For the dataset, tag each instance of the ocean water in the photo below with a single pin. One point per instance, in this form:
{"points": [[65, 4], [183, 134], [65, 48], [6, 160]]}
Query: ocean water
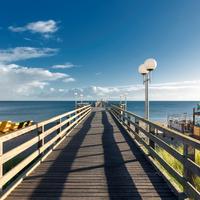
{"points": [[33, 110], [41, 110], [159, 110]]}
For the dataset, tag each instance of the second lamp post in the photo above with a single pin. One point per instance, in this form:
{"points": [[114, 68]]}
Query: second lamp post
{"points": [[145, 70]]}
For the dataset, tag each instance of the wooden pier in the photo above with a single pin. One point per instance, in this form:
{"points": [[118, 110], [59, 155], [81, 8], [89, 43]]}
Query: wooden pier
{"points": [[92, 155]]}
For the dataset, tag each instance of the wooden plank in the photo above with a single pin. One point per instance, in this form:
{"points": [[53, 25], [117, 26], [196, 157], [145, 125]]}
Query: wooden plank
{"points": [[10, 174], [15, 151], [96, 161], [61, 116], [19, 149], [161, 143], [191, 165], [136, 138], [185, 161], [5, 193], [17, 133], [62, 133], [26, 172], [191, 191], [194, 167]]}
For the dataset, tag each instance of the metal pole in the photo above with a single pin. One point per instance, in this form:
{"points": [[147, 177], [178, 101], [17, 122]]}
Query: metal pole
{"points": [[75, 99], [146, 81], [125, 103]]}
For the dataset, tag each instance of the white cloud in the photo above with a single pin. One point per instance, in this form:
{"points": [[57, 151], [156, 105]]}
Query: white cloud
{"points": [[28, 83], [61, 90], [68, 79], [98, 73], [23, 53], [30, 87], [42, 27], [52, 89], [64, 66], [18, 82]]}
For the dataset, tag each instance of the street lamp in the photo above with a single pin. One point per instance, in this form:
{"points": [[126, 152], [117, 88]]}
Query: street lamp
{"points": [[81, 98], [120, 100], [125, 101], [75, 96], [145, 70]]}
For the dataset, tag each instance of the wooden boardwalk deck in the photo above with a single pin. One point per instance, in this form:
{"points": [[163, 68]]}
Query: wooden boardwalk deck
{"points": [[97, 161]]}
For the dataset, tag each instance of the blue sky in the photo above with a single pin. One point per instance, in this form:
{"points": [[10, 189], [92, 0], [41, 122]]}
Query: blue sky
{"points": [[49, 49]]}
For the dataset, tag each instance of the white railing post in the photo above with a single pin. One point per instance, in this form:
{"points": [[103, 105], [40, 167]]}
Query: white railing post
{"points": [[60, 128], [40, 141]]}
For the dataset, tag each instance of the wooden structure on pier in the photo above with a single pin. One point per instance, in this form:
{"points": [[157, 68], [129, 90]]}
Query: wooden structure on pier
{"points": [[94, 153]]}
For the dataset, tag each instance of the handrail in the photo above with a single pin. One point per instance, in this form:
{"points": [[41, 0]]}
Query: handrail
{"points": [[40, 142], [11, 135], [152, 136], [168, 131]]}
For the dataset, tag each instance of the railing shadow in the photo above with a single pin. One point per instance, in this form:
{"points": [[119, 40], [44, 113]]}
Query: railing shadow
{"points": [[159, 185], [61, 166], [119, 181]]}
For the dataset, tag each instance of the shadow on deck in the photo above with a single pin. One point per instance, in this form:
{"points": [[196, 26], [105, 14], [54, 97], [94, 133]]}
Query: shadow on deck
{"points": [[98, 161]]}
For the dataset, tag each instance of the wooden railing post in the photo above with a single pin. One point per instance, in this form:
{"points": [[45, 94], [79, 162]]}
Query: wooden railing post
{"points": [[68, 123], [128, 122], [153, 132], [137, 122], [41, 141], [1, 163], [60, 128], [188, 153], [120, 115]]}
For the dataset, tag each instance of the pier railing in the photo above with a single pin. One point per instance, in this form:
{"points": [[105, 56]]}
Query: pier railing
{"points": [[22, 150], [154, 139]]}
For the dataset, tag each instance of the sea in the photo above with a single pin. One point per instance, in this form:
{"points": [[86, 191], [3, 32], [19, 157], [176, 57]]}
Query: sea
{"points": [[42, 110]]}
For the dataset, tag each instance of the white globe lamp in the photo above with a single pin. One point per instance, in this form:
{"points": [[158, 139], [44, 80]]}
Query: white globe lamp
{"points": [[150, 64], [142, 70]]}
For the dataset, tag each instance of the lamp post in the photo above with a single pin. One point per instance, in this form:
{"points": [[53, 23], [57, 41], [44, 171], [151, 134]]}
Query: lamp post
{"points": [[75, 96], [120, 102], [81, 98], [125, 101], [145, 70]]}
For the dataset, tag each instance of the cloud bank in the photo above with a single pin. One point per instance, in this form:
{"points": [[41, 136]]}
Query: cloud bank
{"points": [[21, 82], [41, 88], [35, 83], [18, 82], [183, 90]]}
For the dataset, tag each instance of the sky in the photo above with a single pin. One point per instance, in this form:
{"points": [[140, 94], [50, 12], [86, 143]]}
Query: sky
{"points": [[51, 49]]}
